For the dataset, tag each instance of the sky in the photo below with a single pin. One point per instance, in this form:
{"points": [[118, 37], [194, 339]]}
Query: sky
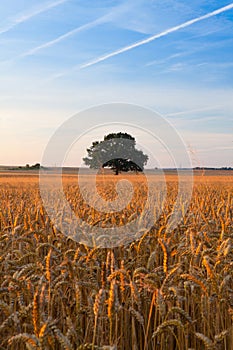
{"points": [[61, 57]]}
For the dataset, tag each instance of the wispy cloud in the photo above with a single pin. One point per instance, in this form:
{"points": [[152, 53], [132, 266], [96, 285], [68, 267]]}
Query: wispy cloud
{"points": [[166, 59], [190, 111], [144, 41], [219, 65], [62, 37], [89, 25], [115, 12], [23, 17], [219, 148], [197, 49], [157, 36]]}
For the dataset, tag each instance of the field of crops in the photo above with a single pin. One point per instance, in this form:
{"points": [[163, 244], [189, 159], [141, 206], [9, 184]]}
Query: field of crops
{"points": [[165, 290]]}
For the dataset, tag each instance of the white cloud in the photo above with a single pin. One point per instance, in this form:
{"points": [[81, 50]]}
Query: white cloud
{"points": [[159, 35], [195, 110], [23, 17], [146, 41], [63, 37], [108, 17]]}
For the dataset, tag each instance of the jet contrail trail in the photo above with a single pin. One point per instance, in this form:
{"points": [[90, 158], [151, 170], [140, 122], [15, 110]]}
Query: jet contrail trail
{"points": [[60, 38], [64, 36], [24, 17], [157, 36], [103, 19], [189, 111]]}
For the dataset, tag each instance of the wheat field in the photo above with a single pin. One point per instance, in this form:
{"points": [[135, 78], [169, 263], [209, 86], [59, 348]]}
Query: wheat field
{"points": [[164, 290]]}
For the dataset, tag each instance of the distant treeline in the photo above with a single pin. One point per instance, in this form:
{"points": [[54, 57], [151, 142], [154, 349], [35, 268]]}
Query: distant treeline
{"points": [[38, 166], [207, 168], [30, 167]]}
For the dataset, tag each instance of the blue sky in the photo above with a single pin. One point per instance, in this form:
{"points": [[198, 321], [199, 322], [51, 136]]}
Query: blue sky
{"points": [[59, 57]]}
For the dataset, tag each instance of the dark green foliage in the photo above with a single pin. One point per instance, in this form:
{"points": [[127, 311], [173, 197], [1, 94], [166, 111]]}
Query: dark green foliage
{"points": [[117, 151]]}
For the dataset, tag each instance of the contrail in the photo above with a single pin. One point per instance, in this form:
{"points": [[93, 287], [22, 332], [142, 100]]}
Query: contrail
{"points": [[26, 16], [60, 38], [64, 36], [103, 19], [190, 111], [157, 36]]}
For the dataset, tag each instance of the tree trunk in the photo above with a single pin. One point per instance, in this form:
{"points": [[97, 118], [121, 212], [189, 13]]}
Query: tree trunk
{"points": [[116, 171]]}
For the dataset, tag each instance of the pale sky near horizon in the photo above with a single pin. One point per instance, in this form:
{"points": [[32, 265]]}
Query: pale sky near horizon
{"points": [[59, 57]]}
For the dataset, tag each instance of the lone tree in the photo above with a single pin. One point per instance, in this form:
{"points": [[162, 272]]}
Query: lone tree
{"points": [[117, 151]]}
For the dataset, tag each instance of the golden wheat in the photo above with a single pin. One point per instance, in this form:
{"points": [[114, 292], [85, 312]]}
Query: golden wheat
{"points": [[163, 291]]}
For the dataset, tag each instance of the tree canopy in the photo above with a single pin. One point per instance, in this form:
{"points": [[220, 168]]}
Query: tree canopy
{"points": [[117, 151]]}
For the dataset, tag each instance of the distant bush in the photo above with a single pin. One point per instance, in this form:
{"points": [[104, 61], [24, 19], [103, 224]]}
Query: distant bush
{"points": [[35, 166]]}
